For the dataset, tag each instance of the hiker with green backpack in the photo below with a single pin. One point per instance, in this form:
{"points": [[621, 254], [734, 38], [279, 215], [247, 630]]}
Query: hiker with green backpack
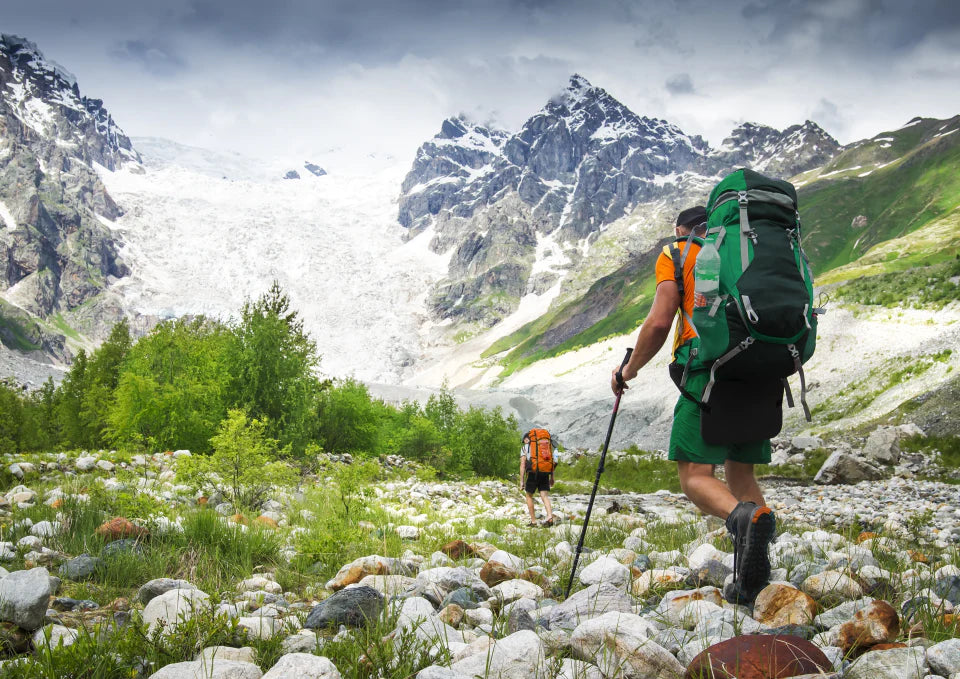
{"points": [[740, 286]]}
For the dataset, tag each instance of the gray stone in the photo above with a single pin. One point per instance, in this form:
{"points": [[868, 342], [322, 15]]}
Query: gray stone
{"points": [[54, 636], [352, 606], [622, 645], [82, 567], [588, 603], [160, 586], [303, 666], [217, 669], [464, 597], [520, 655], [948, 588], [895, 663], [214, 653], [302, 643], [840, 614], [883, 446], [944, 658], [24, 596], [843, 467], [174, 607]]}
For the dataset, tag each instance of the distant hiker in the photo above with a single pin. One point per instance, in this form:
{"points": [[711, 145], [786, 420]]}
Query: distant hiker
{"points": [[538, 459], [751, 408]]}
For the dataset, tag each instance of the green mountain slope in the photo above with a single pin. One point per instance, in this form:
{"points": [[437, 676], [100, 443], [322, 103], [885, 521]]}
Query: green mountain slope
{"points": [[885, 204]]}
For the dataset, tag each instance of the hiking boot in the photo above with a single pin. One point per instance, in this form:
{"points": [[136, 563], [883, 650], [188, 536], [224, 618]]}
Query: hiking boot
{"points": [[752, 528]]}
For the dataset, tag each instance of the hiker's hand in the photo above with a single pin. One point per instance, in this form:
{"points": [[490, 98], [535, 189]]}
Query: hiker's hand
{"points": [[614, 385]]}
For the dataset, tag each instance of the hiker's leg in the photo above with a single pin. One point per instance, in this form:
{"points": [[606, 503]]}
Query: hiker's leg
{"points": [[742, 482], [533, 514], [545, 496], [704, 490]]}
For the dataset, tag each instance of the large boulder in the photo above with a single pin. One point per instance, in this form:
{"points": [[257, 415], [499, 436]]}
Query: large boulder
{"points": [[843, 467], [200, 669], [605, 569], [174, 607], [303, 666], [520, 655], [944, 658], [621, 644], [588, 603], [883, 446], [894, 663], [759, 657], [159, 586], [24, 596], [354, 606]]}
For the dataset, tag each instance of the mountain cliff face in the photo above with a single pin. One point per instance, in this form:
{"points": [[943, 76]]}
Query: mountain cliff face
{"points": [[501, 203], [56, 253]]}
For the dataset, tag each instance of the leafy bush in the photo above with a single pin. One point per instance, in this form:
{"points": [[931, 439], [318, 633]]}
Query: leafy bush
{"points": [[242, 463], [929, 286]]}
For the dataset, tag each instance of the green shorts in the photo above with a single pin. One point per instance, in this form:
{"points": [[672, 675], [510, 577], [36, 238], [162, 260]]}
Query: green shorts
{"points": [[686, 444]]}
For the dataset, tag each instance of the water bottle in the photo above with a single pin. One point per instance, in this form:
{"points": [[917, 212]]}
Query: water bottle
{"points": [[706, 290]]}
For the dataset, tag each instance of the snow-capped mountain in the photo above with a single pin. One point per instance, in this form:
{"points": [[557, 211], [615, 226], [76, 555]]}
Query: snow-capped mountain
{"points": [[779, 153], [517, 212], [56, 255]]}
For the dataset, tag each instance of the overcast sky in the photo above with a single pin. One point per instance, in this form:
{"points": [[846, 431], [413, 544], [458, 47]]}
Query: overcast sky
{"points": [[281, 77]]}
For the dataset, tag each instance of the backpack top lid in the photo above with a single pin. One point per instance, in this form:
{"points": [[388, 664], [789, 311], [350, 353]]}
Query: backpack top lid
{"points": [[537, 434], [744, 180]]}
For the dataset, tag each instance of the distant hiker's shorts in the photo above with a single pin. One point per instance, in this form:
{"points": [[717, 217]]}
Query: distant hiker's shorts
{"points": [[686, 443], [536, 481]]}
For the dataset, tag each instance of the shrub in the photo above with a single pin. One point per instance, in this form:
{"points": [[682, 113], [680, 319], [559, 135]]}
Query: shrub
{"points": [[241, 464]]}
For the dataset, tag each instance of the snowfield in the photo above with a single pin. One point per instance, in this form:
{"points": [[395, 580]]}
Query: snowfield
{"points": [[203, 232]]}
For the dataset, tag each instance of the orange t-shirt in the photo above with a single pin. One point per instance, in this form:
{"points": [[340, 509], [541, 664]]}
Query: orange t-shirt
{"points": [[665, 272]]}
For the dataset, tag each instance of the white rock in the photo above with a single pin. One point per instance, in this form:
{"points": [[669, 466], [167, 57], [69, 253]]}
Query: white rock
{"points": [[212, 653], [895, 663], [54, 636], [171, 608], [217, 669], [520, 655], [86, 463], [622, 645], [944, 658], [303, 666], [258, 583], [511, 590], [259, 626], [606, 569]]}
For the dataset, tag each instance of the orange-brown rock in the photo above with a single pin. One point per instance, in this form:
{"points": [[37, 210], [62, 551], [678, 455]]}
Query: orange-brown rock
{"points": [[57, 504], [451, 614], [759, 656], [358, 569], [536, 577], [239, 518], [950, 619], [457, 549], [484, 550], [918, 557], [202, 501], [779, 604], [864, 536], [494, 572], [878, 623], [267, 521], [119, 528]]}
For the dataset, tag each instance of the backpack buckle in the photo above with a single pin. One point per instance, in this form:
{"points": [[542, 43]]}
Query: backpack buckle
{"points": [[742, 199]]}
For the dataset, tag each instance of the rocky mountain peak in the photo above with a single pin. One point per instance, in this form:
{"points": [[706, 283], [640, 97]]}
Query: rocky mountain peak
{"points": [[780, 153], [56, 252]]}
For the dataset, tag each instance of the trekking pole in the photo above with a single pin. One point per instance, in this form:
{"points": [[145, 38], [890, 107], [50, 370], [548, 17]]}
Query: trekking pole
{"points": [[596, 482]]}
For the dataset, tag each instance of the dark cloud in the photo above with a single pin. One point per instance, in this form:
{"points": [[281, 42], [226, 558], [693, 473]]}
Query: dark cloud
{"points": [[680, 84], [156, 59]]}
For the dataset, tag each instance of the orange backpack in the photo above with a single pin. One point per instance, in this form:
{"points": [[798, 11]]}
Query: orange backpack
{"points": [[541, 451]]}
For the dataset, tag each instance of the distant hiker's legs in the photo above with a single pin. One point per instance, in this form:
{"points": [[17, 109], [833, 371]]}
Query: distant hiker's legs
{"points": [[708, 493], [742, 482], [533, 514], [545, 496]]}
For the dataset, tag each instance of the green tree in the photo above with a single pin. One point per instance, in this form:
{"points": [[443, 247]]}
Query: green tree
{"points": [[101, 378], [273, 368], [492, 440], [11, 419], [348, 419], [171, 391], [70, 405], [241, 464]]}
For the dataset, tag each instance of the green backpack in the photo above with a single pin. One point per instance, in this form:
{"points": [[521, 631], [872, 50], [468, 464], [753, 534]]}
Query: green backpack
{"points": [[753, 310]]}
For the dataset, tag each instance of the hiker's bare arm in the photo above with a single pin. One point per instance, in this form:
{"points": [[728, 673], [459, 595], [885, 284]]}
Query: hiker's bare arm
{"points": [[654, 331]]}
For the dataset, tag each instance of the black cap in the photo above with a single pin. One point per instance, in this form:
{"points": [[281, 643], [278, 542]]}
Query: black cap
{"points": [[692, 217]]}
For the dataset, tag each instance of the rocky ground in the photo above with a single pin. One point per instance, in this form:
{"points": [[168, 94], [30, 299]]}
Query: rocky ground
{"points": [[451, 584]]}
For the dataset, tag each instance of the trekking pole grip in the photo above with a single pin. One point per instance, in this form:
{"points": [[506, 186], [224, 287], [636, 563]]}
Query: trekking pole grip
{"points": [[626, 359]]}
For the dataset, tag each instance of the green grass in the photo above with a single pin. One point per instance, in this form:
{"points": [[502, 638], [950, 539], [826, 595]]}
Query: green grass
{"points": [[640, 472], [922, 287], [60, 323], [14, 335], [861, 393]]}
